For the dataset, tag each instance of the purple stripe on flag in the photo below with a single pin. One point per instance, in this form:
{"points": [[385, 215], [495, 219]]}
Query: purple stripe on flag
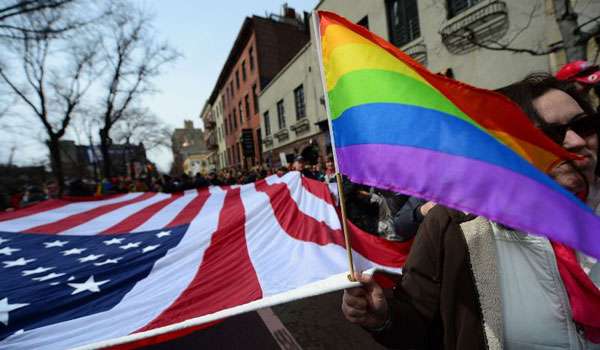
{"points": [[476, 187]]}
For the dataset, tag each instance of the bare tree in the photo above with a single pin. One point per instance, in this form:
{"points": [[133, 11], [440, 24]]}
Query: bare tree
{"points": [[84, 127], [13, 13], [53, 77], [139, 125], [575, 35], [133, 57]]}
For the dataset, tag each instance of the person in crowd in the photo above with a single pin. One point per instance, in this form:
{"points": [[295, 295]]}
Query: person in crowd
{"points": [[409, 216], [77, 187], [300, 165], [200, 181], [329, 175], [360, 209], [281, 171], [213, 180], [470, 283], [32, 195], [318, 173]]}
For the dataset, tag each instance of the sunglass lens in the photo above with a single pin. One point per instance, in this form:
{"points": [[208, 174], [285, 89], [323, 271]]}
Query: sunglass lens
{"points": [[556, 133], [586, 126]]}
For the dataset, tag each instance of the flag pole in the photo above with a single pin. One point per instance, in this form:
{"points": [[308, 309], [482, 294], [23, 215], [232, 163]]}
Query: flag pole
{"points": [[338, 175]]}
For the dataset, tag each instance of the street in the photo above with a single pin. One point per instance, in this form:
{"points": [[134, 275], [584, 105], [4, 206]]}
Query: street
{"points": [[313, 323]]}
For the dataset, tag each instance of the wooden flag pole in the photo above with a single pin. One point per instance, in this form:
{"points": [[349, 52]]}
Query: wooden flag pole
{"points": [[338, 176]]}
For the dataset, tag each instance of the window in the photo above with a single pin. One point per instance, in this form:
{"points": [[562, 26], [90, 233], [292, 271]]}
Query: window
{"points": [[403, 19], [254, 97], [244, 70], [364, 22], [237, 79], [251, 58], [234, 119], [457, 6], [227, 125], [267, 123], [241, 113], [247, 105], [299, 101], [280, 114]]}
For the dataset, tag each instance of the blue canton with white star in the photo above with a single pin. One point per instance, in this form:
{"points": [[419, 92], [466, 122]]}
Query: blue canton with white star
{"points": [[48, 279]]}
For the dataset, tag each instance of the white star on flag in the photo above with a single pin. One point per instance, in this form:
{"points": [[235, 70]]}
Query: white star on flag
{"points": [[18, 262], [73, 251], [130, 245], [56, 243], [38, 270], [2, 240], [48, 277], [113, 241], [150, 248], [90, 257], [108, 261], [8, 250], [163, 233], [89, 285], [5, 308]]}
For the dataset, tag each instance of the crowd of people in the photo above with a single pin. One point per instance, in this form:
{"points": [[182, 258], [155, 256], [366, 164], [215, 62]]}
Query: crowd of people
{"points": [[77, 187]]}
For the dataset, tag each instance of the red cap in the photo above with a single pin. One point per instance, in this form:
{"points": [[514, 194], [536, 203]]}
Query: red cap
{"points": [[580, 71]]}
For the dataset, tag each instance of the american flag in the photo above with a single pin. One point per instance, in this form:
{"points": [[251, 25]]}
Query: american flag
{"points": [[144, 266]]}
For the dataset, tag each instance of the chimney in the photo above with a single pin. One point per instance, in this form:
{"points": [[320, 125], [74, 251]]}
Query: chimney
{"points": [[188, 124], [289, 12]]}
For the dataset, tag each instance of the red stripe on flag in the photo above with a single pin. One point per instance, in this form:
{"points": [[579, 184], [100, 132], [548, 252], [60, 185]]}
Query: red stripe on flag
{"points": [[163, 337], [191, 209], [132, 222], [225, 278], [288, 215], [316, 187], [34, 209], [78, 219]]}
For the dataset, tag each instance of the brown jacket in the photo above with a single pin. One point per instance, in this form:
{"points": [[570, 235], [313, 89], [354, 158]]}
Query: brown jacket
{"points": [[436, 304]]}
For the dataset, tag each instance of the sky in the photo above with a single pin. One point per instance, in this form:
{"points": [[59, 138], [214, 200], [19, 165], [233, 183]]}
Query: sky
{"points": [[203, 34]]}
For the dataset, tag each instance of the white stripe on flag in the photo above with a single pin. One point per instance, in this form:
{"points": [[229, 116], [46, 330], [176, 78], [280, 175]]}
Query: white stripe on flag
{"points": [[46, 217], [169, 277], [282, 262], [102, 222]]}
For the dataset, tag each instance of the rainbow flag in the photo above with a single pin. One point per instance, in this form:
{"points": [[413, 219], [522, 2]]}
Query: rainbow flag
{"points": [[400, 127]]}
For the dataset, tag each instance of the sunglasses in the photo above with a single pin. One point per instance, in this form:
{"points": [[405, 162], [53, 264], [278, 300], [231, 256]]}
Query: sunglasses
{"points": [[584, 125]]}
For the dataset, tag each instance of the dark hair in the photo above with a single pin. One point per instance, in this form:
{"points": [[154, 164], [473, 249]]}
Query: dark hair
{"points": [[537, 84]]}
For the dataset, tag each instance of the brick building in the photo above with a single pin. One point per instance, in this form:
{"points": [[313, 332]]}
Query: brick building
{"points": [[262, 48]]}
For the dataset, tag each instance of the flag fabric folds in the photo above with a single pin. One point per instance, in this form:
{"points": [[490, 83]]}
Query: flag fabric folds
{"points": [[400, 127], [143, 266]]}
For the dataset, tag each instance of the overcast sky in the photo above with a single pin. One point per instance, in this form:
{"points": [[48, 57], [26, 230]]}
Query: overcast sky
{"points": [[204, 35]]}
